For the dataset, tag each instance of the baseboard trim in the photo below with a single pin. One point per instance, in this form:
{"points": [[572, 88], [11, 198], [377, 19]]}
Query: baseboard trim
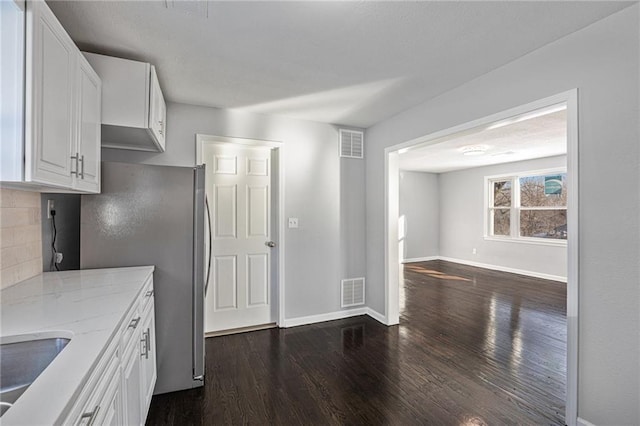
{"points": [[420, 259], [505, 269], [347, 313], [583, 422], [377, 316], [330, 316], [240, 330]]}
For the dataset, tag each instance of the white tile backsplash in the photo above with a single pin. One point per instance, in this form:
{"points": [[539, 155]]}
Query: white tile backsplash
{"points": [[20, 236]]}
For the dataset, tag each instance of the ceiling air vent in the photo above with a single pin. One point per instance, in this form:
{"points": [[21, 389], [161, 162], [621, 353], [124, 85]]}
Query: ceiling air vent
{"points": [[351, 143], [352, 292]]}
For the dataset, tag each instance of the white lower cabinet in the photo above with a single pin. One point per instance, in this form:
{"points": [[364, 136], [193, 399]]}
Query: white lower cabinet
{"points": [[148, 371], [113, 403], [119, 389], [99, 392], [131, 386]]}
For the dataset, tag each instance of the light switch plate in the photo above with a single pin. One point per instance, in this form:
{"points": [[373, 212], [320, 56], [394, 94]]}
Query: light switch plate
{"points": [[293, 222]]}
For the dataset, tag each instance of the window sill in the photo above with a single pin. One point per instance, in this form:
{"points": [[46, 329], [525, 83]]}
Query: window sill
{"points": [[538, 242]]}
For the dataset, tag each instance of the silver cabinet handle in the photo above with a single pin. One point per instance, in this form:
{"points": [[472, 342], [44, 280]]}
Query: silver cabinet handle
{"points": [[134, 323], [270, 244], [75, 157], [149, 293], [91, 416], [146, 343], [81, 167], [145, 350]]}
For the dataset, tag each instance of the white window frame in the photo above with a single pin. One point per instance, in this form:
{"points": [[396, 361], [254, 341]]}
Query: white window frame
{"points": [[515, 208]]}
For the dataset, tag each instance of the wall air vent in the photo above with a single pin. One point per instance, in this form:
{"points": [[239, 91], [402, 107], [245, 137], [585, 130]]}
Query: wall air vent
{"points": [[352, 292], [351, 144]]}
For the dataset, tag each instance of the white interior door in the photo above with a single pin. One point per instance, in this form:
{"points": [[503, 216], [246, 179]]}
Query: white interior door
{"points": [[239, 192]]}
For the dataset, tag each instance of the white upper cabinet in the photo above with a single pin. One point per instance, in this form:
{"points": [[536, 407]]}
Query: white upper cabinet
{"points": [[157, 109], [133, 108], [61, 147], [12, 22], [50, 96], [88, 127]]}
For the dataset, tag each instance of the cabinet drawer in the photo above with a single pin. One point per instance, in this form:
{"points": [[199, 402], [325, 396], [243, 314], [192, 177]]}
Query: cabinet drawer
{"points": [[96, 386], [100, 399], [130, 327], [147, 295]]}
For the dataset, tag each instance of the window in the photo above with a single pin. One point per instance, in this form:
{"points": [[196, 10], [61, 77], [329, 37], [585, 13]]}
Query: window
{"points": [[529, 206]]}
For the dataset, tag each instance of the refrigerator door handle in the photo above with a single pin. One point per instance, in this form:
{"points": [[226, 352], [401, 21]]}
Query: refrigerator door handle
{"points": [[198, 273], [208, 212]]}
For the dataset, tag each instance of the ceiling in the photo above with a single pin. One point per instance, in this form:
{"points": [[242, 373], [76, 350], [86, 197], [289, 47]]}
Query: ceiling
{"points": [[349, 63], [543, 136]]}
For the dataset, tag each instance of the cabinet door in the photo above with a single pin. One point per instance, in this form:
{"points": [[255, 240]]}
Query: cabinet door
{"points": [[88, 127], [104, 403], [157, 110], [148, 372], [111, 404], [51, 65], [131, 386]]}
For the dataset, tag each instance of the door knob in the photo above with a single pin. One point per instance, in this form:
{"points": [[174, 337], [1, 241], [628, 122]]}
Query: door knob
{"points": [[270, 244]]}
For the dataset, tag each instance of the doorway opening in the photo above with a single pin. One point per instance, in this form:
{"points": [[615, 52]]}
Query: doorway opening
{"points": [[516, 220], [245, 191]]}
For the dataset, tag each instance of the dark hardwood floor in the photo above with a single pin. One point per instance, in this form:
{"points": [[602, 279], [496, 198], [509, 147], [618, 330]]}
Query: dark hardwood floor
{"points": [[473, 347]]}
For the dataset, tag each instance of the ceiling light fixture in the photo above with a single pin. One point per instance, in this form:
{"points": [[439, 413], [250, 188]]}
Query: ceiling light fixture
{"points": [[473, 150]]}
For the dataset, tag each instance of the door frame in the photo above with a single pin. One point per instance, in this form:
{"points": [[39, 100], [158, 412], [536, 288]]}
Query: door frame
{"points": [[279, 221], [391, 213]]}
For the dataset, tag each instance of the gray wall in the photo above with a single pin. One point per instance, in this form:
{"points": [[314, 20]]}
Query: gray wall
{"points": [[419, 204], [321, 190], [352, 218], [600, 60], [68, 225], [462, 222]]}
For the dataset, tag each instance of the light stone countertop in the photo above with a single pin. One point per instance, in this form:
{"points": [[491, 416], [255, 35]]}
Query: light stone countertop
{"points": [[89, 306]]}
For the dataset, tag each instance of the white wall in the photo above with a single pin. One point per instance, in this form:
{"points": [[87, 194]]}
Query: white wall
{"points": [[600, 60], [316, 255], [419, 205], [462, 206]]}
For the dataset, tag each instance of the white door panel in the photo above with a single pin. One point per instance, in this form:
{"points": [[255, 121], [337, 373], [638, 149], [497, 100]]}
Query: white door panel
{"points": [[257, 211], [238, 183], [225, 211], [226, 283], [257, 280]]}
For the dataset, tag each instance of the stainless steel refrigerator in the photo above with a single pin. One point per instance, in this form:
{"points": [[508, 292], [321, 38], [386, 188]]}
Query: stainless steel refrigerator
{"points": [[155, 215]]}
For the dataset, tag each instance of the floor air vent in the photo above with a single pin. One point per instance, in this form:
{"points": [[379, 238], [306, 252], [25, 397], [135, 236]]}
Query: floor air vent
{"points": [[352, 292], [351, 144]]}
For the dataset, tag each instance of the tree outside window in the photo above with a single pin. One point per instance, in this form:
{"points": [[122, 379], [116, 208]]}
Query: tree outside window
{"points": [[529, 206]]}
